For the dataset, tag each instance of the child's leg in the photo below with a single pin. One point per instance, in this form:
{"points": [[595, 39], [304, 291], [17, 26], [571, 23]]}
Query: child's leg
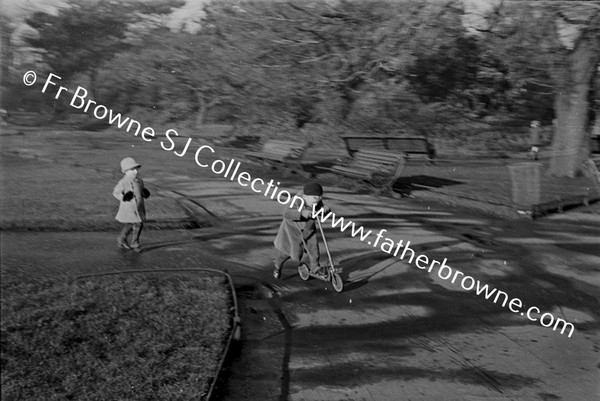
{"points": [[280, 258], [135, 236], [122, 238], [278, 261], [312, 249]]}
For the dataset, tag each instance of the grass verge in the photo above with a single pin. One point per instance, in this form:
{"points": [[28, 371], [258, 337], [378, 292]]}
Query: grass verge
{"points": [[135, 336], [41, 195]]}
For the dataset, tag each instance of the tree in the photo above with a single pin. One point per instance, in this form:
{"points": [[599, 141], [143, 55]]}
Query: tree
{"points": [[316, 54], [183, 73], [442, 70], [84, 34], [572, 102], [567, 49]]}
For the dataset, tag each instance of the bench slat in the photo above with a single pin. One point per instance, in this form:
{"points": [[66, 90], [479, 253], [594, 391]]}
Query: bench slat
{"points": [[376, 160], [399, 144], [276, 150], [351, 171], [373, 165]]}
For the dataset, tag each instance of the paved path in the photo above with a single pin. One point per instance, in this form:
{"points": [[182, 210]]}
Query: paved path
{"points": [[398, 333]]}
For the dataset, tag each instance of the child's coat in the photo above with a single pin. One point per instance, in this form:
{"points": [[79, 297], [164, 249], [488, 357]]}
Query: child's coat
{"points": [[133, 211], [291, 230]]}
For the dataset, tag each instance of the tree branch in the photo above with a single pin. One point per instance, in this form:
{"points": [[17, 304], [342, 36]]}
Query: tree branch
{"points": [[323, 57]]}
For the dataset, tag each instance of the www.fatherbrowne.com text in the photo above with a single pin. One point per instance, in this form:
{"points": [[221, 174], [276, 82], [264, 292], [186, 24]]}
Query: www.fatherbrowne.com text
{"points": [[402, 250]]}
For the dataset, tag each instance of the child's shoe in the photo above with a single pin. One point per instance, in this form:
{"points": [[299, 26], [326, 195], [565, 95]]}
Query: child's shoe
{"points": [[135, 246], [123, 245]]}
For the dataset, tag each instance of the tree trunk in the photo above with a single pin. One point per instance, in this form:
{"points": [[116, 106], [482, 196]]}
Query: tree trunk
{"points": [[570, 145], [596, 127]]}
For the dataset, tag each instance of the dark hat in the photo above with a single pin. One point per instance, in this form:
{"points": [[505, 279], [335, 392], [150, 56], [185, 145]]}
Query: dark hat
{"points": [[313, 189]]}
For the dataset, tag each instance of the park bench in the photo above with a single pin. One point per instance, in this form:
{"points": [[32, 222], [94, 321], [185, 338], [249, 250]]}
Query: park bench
{"points": [[319, 159], [377, 167], [413, 147], [276, 152], [313, 155]]}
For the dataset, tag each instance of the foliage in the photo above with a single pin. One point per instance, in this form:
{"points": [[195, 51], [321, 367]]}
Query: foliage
{"points": [[440, 71], [554, 47], [314, 62], [376, 66], [84, 34], [339, 55]]}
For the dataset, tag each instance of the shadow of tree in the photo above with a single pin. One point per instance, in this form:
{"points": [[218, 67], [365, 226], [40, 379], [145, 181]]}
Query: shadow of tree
{"points": [[406, 185]]}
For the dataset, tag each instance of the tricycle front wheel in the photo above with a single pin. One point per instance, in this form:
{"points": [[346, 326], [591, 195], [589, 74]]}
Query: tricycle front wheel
{"points": [[337, 282]]}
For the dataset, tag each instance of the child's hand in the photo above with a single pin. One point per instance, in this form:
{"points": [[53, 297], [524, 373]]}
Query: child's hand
{"points": [[306, 214], [128, 196], [145, 193]]}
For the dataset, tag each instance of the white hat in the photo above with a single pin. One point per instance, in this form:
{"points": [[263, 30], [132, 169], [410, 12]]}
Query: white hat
{"points": [[128, 163]]}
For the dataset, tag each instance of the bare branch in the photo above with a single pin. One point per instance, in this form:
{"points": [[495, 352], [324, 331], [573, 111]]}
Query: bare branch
{"points": [[323, 57], [273, 65], [295, 42], [351, 77], [285, 19]]}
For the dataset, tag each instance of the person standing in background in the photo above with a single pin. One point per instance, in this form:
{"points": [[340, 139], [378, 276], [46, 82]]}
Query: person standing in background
{"points": [[534, 139]]}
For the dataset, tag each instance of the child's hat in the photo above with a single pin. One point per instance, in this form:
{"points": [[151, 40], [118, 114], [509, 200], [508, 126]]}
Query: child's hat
{"points": [[313, 189], [128, 163]]}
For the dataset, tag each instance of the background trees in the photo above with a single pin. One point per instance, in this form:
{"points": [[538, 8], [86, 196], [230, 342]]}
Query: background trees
{"points": [[557, 46], [85, 34], [379, 66]]}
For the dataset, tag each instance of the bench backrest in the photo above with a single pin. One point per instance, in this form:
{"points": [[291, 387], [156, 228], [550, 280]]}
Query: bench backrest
{"points": [[410, 145], [373, 159], [325, 154], [284, 148], [215, 130]]}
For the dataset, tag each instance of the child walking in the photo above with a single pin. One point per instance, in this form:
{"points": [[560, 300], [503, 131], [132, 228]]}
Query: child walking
{"points": [[296, 226], [130, 191]]}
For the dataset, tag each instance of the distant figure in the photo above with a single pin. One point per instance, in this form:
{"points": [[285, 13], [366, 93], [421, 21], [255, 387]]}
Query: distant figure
{"points": [[131, 193], [4, 117], [534, 139], [298, 229]]}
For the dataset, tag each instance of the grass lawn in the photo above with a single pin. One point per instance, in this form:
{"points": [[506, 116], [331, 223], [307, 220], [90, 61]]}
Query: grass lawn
{"points": [[127, 336], [42, 195]]}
